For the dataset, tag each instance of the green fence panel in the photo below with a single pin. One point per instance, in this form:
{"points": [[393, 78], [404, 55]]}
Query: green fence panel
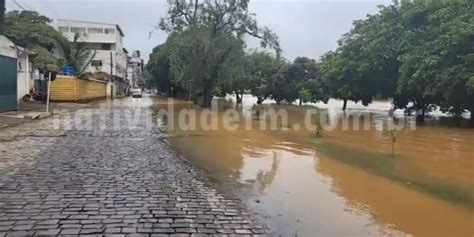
{"points": [[8, 90]]}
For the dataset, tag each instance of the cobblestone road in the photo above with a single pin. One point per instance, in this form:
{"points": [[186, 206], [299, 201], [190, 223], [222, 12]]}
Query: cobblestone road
{"points": [[120, 182]]}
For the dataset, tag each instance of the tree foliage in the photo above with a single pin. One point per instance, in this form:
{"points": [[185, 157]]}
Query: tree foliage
{"points": [[75, 54], [28, 28], [305, 76], [33, 31], [262, 70], [158, 69], [206, 44], [418, 52]]}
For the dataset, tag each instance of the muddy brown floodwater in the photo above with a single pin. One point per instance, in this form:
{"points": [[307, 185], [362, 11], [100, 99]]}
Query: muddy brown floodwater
{"points": [[346, 183]]}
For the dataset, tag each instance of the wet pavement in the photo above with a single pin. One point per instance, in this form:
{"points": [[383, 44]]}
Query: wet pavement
{"points": [[107, 182]]}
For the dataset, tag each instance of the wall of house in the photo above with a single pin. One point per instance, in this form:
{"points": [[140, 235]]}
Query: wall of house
{"points": [[119, 62], [23, 78], [76, 89], [8, 75], [112, 89], [97, 34]]}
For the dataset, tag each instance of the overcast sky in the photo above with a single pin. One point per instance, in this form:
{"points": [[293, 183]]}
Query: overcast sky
{"points": [[305, 28]]}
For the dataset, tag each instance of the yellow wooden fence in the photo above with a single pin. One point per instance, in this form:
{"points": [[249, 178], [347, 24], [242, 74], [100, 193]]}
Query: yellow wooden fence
{"points": [[66, 88]]}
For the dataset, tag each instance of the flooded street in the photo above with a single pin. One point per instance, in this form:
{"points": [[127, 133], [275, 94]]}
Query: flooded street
{"points": [[347, 182]]}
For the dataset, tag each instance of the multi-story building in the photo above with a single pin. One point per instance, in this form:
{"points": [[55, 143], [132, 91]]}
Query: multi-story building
{"points": [[107, 40], [135, 69]]}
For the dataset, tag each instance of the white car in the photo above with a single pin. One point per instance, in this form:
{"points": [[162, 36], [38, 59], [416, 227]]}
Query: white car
{"points": [[137, 93]]}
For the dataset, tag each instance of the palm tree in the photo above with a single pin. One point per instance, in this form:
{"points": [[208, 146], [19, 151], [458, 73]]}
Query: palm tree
{"points": [[75, 53], [2, 17]]}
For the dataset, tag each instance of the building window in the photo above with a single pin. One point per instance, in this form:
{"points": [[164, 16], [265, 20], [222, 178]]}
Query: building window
{"points": [[106, 47], [95, 30], [109, 31], [79, 30], [63, 29], [96, 63]]}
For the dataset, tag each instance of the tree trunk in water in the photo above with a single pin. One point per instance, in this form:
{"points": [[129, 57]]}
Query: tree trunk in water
{"points": [[471, 120], [206, 98], [238, 98], [207, 93], [300, 102], [421, 118], [345, 105], [260, 100]]}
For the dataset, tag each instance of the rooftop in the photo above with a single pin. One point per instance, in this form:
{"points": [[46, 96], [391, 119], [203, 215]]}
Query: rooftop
{"points": [[92, 22]]}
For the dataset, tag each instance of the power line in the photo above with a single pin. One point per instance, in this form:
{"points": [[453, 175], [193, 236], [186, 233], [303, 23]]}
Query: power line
{"points": [[50, 8], [27, 5], [18, 4]]}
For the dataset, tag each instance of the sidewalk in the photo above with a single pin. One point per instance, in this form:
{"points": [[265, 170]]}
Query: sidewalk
{"points": [[30, 111]]}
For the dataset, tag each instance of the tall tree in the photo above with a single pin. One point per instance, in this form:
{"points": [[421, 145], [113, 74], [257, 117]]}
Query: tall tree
{"points": [[158, 70], [305, 74], [282, 88], [32, 30], [213, 23], [28, 28], [418, 52], [342, 78], [436, 55], [261, 70]]}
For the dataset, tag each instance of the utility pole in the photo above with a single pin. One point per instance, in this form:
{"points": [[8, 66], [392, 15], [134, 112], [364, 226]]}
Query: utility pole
{"points": [[111, 65], [49, 92], [111, 76]]}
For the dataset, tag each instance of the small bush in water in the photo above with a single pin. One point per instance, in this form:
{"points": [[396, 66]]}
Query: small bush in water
{"points": [[393, 134]]}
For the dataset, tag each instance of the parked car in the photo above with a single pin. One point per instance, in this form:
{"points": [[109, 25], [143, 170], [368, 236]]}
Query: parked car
{"points": [[137, 93]]}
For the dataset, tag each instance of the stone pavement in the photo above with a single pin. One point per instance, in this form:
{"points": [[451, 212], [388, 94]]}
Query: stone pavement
{"points": [[118, 183]]}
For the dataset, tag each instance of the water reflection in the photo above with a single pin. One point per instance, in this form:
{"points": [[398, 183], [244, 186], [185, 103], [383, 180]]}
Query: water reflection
{"points": [[345, 183], [405, 209]]}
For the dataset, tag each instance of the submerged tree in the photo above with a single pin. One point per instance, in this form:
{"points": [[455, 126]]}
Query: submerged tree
{"points": [[418, 52], [393, 134], [213, 31], [305, 73], [341, 77], [200, 63], [261, 70]]}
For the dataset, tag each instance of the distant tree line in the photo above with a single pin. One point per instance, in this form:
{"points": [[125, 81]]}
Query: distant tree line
{"points": [[420, 53]]}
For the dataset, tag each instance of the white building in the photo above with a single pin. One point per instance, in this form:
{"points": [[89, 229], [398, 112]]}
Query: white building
{"points": [[25, 80], [107, 39], [135, 69]]}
